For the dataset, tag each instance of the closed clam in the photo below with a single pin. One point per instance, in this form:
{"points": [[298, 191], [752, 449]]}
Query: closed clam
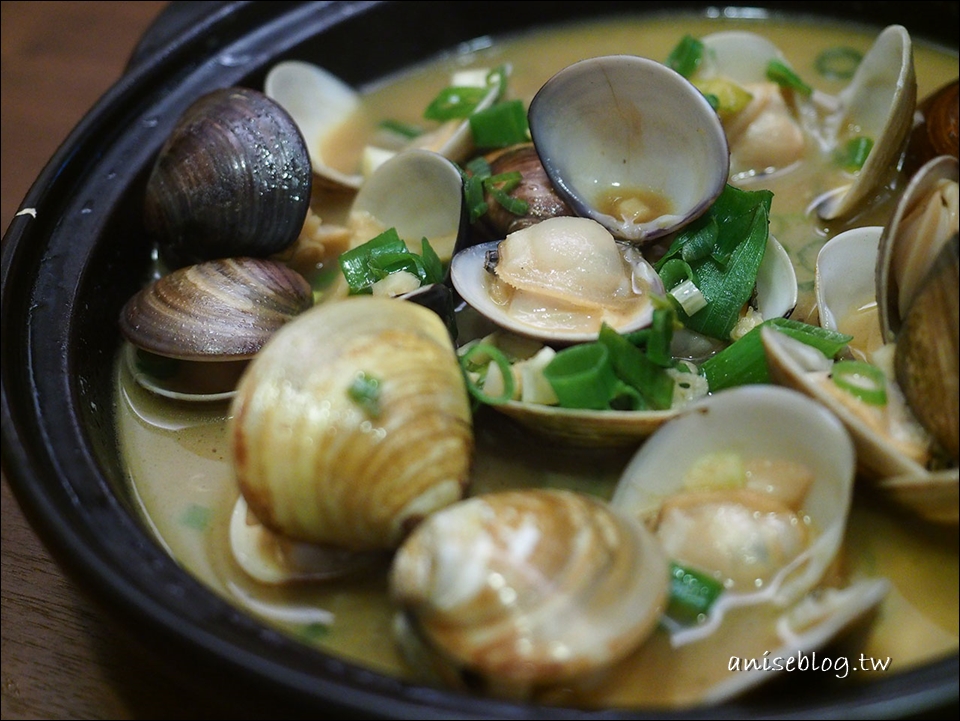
{"points": [[936, 131], [630, 143], [192, 331], [233, 178], [352, 424], [517, 591]]}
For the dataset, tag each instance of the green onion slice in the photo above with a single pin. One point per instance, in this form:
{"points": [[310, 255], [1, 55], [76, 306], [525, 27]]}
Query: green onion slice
{"points": [[501, 125], [496, 356], [692, 594], [855, 152], [782, 75], [454, 102], [365, 392], [686, 57], [838, 63], [862, 380], [582, 376]]}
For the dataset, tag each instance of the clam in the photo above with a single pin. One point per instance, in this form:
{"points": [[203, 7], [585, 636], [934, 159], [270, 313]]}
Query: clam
{"points": [[879, 104], [606, 130], [926, 216], [352, 424], [935, 132], [193, 330], [535, 189], [417, 192], [558, 280], [273, 559], [765, 135], [752, 486], [232, 179], [519, 591], [322, 103], [319, 103]]}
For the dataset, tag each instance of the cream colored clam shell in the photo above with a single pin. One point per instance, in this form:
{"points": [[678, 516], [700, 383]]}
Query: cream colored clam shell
{"points": [[758, 421], [529, 588], [316, 465]]}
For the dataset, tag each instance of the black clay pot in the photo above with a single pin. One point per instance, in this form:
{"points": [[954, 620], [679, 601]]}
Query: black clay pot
{"points": [[68, 270]]}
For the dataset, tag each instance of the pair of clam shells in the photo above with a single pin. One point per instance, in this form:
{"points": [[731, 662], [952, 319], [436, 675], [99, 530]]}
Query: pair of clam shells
{"points": [[519, 592]]}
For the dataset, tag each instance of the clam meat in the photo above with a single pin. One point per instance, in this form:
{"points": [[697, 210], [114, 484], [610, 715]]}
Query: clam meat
{"points": [[558, 280]]}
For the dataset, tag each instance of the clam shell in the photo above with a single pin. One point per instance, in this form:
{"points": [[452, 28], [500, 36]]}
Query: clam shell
{"points": [[529, 588], [420, 194], [611, 122], [879, 102], [926, 216], [319, 103], [756, 422], [232, 179], [314, 462], [214, 311]]}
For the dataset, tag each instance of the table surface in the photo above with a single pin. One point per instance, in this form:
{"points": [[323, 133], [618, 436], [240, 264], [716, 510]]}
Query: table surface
{"points": [[60, 657]]}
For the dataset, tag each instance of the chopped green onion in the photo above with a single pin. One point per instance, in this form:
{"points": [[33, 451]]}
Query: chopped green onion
{"points": [[686, 57], [499, 186], [661, 335], [855, 153], [632, 365], [385, 254], [689, 296], [745, 361], [838, 63], [728, 274], [365, 392], [692, 594], [406, 130], [497, 357], [455, 102], [582, 376], [782, 75], [500, 125], [862, 380]]}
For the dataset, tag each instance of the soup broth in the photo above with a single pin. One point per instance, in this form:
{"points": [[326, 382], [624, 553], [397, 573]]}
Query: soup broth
{"points": [[178, 459]]}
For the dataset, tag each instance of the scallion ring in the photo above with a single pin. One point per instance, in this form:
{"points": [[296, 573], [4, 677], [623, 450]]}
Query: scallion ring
{"points": [[497, 357], [862, 380]]}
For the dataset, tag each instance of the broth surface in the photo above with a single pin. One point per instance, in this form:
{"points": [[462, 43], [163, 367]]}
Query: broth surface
{"points": [[178, 459]]}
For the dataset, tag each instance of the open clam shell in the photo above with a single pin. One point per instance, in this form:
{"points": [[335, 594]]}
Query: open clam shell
{"points": [[879, 104], [925, 218], [319, 103], [930, 494], [558, 280], [776, 425], [607, 134], [420, 194], [527, 589]]}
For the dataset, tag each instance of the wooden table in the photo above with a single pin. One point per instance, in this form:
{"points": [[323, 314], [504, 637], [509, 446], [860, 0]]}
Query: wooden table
{"points": [[60, 658]]}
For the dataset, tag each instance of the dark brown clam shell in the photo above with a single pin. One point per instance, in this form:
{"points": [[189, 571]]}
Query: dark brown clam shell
{"points": [[217, 310], [233, 179], [535, 188], [936, 132]]}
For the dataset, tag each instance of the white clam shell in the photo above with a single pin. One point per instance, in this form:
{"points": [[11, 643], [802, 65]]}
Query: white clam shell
{"points": [[272, 559], [319, 103], [611, 122], [420, 194], [530, 588], [317, 465], [879, 102], [762, 422]]}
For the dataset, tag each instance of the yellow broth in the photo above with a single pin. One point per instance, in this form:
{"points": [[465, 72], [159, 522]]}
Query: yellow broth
{"points": [[178, 460]]}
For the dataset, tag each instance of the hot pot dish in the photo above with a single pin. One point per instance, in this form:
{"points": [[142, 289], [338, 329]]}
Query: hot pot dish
{"points": [[611, 364]]}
